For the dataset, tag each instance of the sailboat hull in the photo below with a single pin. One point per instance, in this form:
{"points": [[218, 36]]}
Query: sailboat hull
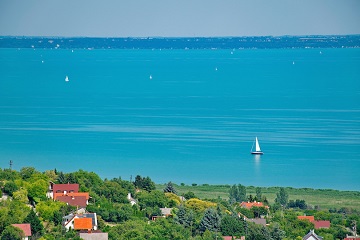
{"points": [[259, 153]]}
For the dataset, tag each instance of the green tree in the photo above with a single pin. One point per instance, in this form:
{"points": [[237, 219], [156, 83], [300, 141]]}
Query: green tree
{"points": [[27, 172], [12, 233], [276, 232], [210, 221], [282, 197], [237, 193], [21, 195], [232, 226], [258, 194], [37, 190], [35, 223], [169, 188], [10, 187], [189, 195]]}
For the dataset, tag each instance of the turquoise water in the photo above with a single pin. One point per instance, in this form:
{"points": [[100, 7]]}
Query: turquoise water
{"points": [[193, 122]]}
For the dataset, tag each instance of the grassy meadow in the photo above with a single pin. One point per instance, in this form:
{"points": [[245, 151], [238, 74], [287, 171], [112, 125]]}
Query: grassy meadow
{"points": [[323, 198]]}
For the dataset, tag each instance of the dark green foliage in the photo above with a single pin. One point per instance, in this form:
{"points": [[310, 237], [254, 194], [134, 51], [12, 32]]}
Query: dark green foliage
{"points": [[144, 183], [297, 204], [256, 232], [276, 232], [35, 223], [113, 192], [282, 197], [237, 193], [189, 195], [61, 178], [210, 221], [258, 194], [8, 174], [259, 211], [152, 199], [10, 187], [27, 172], [12, 233], [232, 226], [184, 217], [169, 188]]}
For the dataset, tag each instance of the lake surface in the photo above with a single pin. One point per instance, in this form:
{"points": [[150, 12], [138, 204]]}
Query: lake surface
{"points": [[193, 121]]}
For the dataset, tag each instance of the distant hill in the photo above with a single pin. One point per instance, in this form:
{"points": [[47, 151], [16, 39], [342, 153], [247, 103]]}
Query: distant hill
{"points": [[336, 41]]}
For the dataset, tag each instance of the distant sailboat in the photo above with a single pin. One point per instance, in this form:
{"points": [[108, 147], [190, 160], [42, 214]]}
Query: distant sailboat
{"points": [[150, 77], [257, 147], [66, 79]]}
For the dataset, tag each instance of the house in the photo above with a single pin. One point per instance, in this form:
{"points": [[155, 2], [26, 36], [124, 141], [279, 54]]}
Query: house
{"points": [[317, 224], [94, 235], [26, 228], [249, 205], [312, 236], [309, 218], [321, 224], [70, 222], [131, 200], [352, 237], [61, 188], [80, 201], [233, 238], [72, 194], [260, 221], [83, 223], [166, 212]]}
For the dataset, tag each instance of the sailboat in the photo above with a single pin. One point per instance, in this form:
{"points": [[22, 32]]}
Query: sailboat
{"points": [[66, 79], [257, 147]]}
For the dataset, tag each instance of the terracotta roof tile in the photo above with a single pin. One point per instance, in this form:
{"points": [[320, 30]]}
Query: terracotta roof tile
{"points": [[309, 218], [249, 205], [68, 187], [72, 194], [73, 201], [82, 223], [25, 227], [321, 224]]}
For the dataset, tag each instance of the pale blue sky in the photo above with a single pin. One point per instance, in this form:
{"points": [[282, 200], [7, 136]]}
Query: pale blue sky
{"points": [[173, 18]]}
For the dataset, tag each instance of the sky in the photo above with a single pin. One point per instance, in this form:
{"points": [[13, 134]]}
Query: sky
{"points": [[178, 18]]}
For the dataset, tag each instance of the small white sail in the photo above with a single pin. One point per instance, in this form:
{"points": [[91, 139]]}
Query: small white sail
{"points": [[257, 146]]}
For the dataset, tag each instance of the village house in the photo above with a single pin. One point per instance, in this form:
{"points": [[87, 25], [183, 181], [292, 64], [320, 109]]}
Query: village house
{"points": [[233, 238], [62, 188], [312, 236], [249, 205], [317, 223], [165, 212], [94, 235], [26, 228], [88, 221], [352, 237]]}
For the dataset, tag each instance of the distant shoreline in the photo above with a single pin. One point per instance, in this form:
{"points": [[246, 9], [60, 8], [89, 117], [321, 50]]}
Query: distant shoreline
{"points": [[251, 42]]}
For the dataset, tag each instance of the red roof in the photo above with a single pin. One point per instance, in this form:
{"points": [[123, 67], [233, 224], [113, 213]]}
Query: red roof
{"points": [[321, 224], [82, 223], [80, 201], [352, 238], [72, 194], [310, 218], [249, 205], [25, 227], [68, 187]]}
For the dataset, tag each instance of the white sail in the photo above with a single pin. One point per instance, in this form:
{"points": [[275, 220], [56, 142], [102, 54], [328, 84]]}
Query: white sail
{"points": [[257, 146]]}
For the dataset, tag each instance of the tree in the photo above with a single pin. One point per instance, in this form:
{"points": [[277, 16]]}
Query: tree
{"points": [[21, 195], [35, 223], [144, 183], [169, 188], [10, 187], [210, 221], [232, 226], [237, 193], [12, 233], [189, 195], [258, 194], [282, 197]]}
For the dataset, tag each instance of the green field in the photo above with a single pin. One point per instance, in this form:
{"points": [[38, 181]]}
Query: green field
{"points": [[323, 198]]}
